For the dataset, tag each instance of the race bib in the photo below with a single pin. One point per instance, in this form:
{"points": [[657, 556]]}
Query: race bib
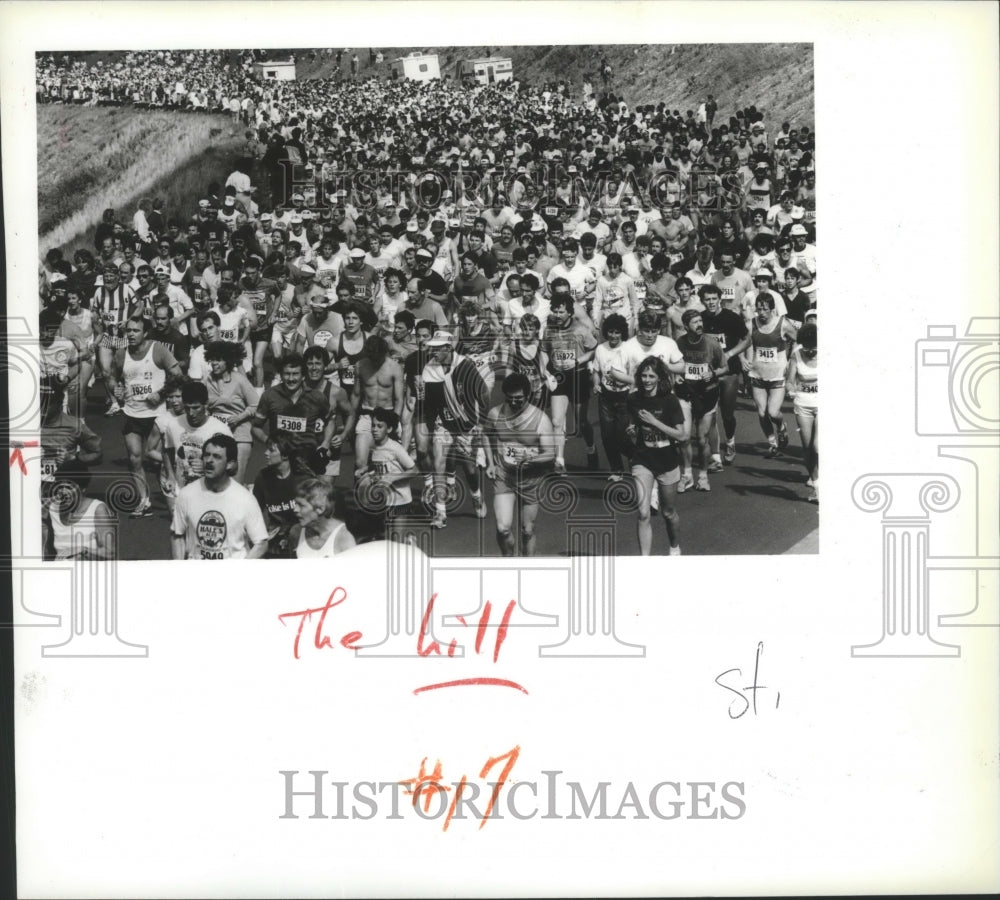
{"points": [[564, 359], [229, 334], [141, 390], [640, 290], [190, 454], [808, 388], [294, 424], [108, 318], [322, 338], [49, 466], [361, 291], [222, 417], [696, 371], [211, 532], [721, 338], [380, 467], [347, 376], [767, 354]]}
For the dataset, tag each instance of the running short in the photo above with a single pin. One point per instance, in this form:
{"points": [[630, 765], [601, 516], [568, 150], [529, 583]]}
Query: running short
{"points": [[510, 481], [698, 403], [112, 343], [364, 422], [805, 412], [134, 425], [671, 476], [573, 383], [262, 334], [766, 385]]}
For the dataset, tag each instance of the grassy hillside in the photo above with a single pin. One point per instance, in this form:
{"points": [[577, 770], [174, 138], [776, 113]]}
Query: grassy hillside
{"points": [[777, 78], [90, 158]]}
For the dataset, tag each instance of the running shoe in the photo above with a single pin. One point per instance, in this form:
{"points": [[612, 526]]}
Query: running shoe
{"points": [[593, 460], [729, 452], [675, 551], [560, 467], [783, 438], [810, 482], [772, 451], [439, 520], [143, 511], [714, 466], [113, 409], [703, 484], [450, 493], [813, 497], [685, 484], [479, 507]]}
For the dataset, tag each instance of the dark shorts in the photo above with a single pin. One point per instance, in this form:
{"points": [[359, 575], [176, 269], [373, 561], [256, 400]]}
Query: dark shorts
{"points": [[574, 383], [701, 400], [262, 335], [511, 481], [135, 425]]}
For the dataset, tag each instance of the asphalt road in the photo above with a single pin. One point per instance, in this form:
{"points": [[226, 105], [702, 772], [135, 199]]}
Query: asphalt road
{"points": [[756, 506]]}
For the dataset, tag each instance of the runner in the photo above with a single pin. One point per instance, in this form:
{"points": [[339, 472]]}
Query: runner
{"points": [[612, 384], [801, 385], [185, 435], [569, 347], [275, 490], [521, 450], [731, 332], [477, 336], [656, 428], [456, 401], [765, 360], [380, 384], [302, 415], [140, 372], [76, 526], [384, 488], [214, 517], [318, 534], [698, 392], [112, 304], [263, 294], [231, 398]]}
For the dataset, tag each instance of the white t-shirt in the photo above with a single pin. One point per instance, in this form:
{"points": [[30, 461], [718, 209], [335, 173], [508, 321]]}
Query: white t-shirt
{"points": [[218, 525], [606, 358], [663, 347], [186, 442]]}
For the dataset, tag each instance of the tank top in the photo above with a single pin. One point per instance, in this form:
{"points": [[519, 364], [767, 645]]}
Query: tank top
{"points": [[769, 356], [229, 323], [63, 535], [349, 375], [112, 306], [526, 422], [177, 276], [805, 380], [304, 551], [142, 378]]}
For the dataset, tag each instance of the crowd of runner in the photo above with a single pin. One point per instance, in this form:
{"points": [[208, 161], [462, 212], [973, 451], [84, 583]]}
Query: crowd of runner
{"points": [[441, 285]]}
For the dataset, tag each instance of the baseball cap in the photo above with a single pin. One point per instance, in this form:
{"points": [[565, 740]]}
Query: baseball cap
{"points": [[761, 166], [454, 223], [266, 217], [203, 204], [296, 219], [764, 272], [798, 231], [424, 254], [412, 227], [440, 339], [229, 201], [437, 225], [357, 253]]}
